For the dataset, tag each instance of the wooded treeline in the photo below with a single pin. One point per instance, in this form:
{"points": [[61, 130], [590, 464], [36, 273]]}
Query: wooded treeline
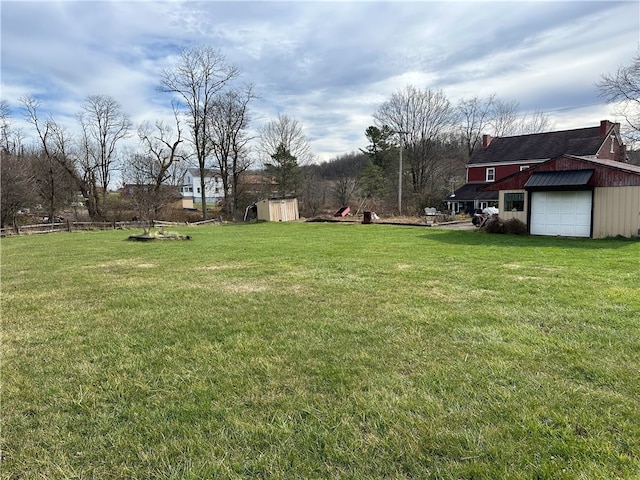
{"points": [[413, 154]]}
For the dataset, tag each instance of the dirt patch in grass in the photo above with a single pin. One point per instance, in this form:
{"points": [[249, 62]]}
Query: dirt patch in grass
{"points": [[244, 288], [126, 262], [404, 266], [228, 266], [524, 278]]}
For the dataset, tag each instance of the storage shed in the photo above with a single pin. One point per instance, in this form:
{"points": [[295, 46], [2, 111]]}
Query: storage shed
{"points": [[278, 209], [574, 196]]}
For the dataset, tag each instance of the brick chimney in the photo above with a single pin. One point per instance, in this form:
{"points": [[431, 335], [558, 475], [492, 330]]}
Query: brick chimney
{"points": [[486, 140], [605, 125]]}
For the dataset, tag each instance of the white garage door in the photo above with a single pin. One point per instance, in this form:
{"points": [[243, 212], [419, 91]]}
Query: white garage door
{"points": [[561, 213]]}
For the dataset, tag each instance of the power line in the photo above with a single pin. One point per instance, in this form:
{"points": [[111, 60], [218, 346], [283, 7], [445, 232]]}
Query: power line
{"points": [[563, 109]]}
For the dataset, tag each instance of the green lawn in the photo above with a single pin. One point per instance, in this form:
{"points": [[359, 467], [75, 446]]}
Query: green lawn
{"points": [[320, 351]]}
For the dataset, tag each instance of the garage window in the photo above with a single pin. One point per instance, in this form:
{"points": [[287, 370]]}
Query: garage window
{"points": [[514, 202]]}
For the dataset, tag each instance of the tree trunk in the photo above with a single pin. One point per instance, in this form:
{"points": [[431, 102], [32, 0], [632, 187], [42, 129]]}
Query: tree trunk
{"points": [[203, 195]]}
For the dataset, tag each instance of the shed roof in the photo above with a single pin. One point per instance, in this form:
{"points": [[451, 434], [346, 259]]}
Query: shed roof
{"points": [[564, 178]]}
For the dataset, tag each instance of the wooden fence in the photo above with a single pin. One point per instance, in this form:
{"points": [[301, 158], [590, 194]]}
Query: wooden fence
{"points": [[69, 226]]}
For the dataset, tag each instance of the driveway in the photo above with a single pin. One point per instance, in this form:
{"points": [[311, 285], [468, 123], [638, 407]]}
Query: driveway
{"points": [[466, 225]]}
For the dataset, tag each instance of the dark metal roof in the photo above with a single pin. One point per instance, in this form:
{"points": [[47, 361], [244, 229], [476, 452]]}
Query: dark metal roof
{"points": [[473, 191], [540, 146], [565, 178]]}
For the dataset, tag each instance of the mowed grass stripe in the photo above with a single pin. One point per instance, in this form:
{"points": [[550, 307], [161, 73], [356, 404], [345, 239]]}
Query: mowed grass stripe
{"points": [[320, 351]]}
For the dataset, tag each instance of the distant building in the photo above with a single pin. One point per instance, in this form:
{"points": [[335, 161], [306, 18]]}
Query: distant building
{"points": [[257, 184], [191, 188]]}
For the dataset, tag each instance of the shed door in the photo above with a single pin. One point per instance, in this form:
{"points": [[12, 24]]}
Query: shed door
{"points": [[561, 213], [283, 211]]}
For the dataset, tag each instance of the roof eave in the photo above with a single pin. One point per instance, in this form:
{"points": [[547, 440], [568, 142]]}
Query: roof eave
{"points": [[509, 162]]}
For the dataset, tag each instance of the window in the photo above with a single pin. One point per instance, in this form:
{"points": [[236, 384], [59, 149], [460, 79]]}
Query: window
{"points": [[523, 167], [491, 174], [612, 144], [514, 202]]}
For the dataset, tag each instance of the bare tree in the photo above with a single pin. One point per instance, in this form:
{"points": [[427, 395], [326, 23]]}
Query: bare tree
{"points": [[498, 118], [229, 140], [54, 167], [421, 116], [11, 138], [507, 120], [164, 145], [199, 75], [314, 190], [52, 183], [154, 171], [623, 89], [344, 175], [16, 187], [475, 118], [504, 118], [285, 132], [5, 126], [537, 122], [104, 124], [56, 144]]}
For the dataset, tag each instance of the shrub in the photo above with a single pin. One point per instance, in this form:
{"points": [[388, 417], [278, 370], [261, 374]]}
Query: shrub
{"points": [[513, 226], [170, 214], [494, 224]]}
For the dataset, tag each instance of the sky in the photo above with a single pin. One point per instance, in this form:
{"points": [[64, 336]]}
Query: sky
{"points": [[327, 64]]}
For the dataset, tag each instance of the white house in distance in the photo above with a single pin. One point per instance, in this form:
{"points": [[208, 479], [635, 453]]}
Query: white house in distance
{"points": [[191, 189]]}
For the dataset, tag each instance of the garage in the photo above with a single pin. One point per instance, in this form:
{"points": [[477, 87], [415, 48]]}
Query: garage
{"points": [[574, 196], [561, 213]]}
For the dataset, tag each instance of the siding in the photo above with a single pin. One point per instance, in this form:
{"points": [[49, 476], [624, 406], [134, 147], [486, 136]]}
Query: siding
{"points": [[506, 215], [479, 174], [616, 211], [278, 210]]}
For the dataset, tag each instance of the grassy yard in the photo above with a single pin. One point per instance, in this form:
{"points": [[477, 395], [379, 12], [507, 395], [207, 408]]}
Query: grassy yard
{"points": [[320, 351]]}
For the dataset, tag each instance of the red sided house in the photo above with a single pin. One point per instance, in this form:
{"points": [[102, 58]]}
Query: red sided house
{"points": [[573, 196], [503, 156]]}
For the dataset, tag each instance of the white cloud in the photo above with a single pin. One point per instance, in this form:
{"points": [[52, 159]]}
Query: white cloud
{"points": [[327, 64]]}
